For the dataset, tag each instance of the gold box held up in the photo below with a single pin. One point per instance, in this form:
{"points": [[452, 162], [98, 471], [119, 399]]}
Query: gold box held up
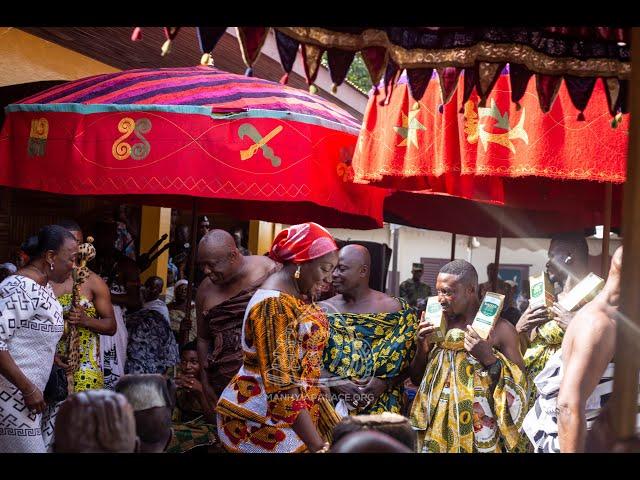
{"points": [[488, 313], [436, 316], [582, 293]]}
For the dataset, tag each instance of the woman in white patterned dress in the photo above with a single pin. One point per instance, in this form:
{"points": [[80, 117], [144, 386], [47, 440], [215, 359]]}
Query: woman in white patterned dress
{"points": [[31, 324]]}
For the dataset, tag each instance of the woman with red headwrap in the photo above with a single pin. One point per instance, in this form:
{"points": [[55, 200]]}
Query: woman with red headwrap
{"points": [[272, 403]]}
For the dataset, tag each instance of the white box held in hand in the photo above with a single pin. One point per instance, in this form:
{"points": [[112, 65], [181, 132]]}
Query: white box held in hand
{"points": [[488, 314]]}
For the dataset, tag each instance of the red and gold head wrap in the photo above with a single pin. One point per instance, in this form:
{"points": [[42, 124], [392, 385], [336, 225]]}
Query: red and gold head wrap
{"points": [[302, 243]]}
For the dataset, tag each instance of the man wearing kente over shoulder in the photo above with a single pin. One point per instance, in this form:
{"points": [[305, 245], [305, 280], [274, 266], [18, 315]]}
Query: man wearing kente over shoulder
{"points": [[371, 339], [94, 317], [472, 392]]}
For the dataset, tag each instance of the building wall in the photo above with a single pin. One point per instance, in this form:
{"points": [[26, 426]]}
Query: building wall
{"points": [[26, 58], [416, 243]]}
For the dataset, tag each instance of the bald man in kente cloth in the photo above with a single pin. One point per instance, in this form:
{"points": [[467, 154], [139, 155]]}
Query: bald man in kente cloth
{"points": [[371, 338], [222, 298], [472, 392]]}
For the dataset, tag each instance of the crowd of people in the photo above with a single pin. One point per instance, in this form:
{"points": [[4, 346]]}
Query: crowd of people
{"points": [[292, 352]]}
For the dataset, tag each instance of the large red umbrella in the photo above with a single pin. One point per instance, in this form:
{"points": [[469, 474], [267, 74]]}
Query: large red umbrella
{"points": [[250, 147], [502, 167]]}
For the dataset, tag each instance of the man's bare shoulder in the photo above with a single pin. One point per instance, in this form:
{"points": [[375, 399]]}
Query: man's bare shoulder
{"points": [[506, 331], [590, 326], [333, 304], [262, 262], [97, 285], [387, 302]]}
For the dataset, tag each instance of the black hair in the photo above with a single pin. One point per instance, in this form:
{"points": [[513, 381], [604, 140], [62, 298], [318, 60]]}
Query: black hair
{"points": [[70, 225], [50, 237], [463, 270], [188, 347]]}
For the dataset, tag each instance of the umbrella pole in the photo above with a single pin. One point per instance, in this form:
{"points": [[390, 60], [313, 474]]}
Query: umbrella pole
{"points": [[606, 233], [496, 261], [453, 246], [625, 383], [185, 325]]}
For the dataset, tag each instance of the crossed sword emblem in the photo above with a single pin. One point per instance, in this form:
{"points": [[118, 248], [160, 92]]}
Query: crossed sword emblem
{"points": [[248, 130]]}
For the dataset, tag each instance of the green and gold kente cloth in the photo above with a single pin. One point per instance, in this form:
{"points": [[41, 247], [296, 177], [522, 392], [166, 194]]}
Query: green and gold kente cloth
{"points": [[365, 345], [190, 428], [89, 375], [455, 409]]}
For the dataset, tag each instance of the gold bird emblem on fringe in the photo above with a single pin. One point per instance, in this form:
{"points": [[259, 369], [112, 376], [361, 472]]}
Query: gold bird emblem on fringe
{"points": [[474, 126]]}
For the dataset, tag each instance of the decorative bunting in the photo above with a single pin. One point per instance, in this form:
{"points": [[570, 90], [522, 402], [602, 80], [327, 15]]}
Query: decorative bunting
{"points": [[472, 49], [339, 63], [418, 79], [311, 55], [391, 74], [519, 77], [547, 87], [448, 82], [469, 84], [287, 49], [375, 59], [208, 37], [137, 34], [170, 33], [251, 40], [487, 76], [612, 88], [580, 89]]}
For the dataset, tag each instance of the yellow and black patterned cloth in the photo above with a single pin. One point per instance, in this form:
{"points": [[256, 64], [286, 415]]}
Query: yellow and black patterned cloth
{"points": [[365, 345], [456, 409], [547, 342], [89, 375]]}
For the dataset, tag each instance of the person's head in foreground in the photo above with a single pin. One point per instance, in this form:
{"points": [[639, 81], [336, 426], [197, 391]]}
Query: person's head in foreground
{"points": [[95, 421], [457, 287], [152, 400], [390, 424], [368, 441]]}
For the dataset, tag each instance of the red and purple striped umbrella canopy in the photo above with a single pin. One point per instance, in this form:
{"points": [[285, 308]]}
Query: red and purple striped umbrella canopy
{"points": [[258, 148]]}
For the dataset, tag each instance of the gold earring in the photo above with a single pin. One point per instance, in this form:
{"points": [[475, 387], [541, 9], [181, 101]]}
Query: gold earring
{"points": [[297, 274]]}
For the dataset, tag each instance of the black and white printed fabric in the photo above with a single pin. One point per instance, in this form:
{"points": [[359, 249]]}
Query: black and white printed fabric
{"points": [[31, 324]]}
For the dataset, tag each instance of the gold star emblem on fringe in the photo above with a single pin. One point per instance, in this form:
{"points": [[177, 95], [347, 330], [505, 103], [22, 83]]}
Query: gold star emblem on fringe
{"points": [[409, 129]]}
